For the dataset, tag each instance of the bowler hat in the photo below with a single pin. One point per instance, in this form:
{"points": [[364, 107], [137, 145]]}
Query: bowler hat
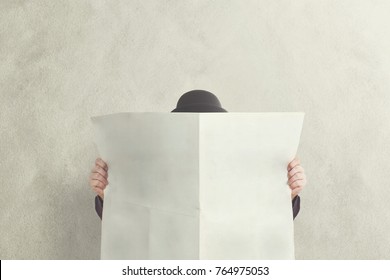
{"points": [[198, 101]]}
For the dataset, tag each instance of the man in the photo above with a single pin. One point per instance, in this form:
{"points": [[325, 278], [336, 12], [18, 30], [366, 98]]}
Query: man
{"points": [[198, 101]]}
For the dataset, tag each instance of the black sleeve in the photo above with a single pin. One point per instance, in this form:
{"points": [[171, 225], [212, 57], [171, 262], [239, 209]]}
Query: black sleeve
{"points": [[296, 205], [99, 206]]}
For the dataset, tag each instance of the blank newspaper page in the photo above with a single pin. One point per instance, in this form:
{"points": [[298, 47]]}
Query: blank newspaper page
{"points": [[197, 185], [245, 202]]}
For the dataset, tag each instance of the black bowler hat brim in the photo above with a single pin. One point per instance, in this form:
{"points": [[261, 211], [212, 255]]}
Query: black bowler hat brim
{"points": [[201, 108]]}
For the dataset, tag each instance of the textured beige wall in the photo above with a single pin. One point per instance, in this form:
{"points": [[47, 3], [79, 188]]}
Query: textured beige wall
{"points": [[65, 61]]}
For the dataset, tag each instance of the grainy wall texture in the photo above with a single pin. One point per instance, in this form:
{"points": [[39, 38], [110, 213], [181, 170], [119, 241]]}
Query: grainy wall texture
{"points": [[62, 62]]}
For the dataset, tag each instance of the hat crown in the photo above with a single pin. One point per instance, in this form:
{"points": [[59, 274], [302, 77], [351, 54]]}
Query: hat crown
{"points": [[198, 101]]}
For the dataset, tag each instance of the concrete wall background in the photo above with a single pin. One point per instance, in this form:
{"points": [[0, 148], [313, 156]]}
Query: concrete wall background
{"points": [[65, 61]]}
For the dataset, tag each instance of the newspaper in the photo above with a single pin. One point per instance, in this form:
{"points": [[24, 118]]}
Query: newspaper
{"points": [[197, 185]]}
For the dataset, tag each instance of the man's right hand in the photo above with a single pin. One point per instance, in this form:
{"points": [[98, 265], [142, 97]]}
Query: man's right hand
{"points": [[98, 178]]}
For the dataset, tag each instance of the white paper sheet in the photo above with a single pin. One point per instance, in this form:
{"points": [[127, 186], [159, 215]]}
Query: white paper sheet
{"points": [[198, 185]]}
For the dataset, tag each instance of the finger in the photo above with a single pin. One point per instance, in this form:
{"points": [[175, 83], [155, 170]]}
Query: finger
{"points": [[298, 184], [296, 191], [97, 184], [97, 176], [101, 163], [295, 170], [99, 192], [297, 176], [101, 171], [293, 163]]}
